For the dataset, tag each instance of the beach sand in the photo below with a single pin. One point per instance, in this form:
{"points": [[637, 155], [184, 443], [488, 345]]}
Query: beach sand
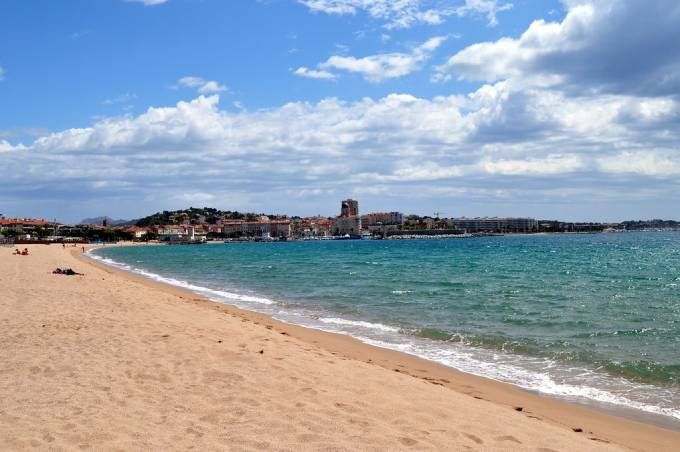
{"points": [[110, 361]]}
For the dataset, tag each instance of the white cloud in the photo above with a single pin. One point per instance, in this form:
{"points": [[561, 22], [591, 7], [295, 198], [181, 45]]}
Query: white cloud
{"points": [[148, 2], [407, 13], [508, 57], [5, 146], [210, 87], [202, 86], [195, 198], [599, 46], [124, 98], [487, 140], [314, 73], [377, 68], [489, 7], [551, 164], [426, 171], [647, 163]]}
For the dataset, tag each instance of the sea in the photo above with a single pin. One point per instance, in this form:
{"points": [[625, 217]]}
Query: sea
{"points": [[590, 318]]}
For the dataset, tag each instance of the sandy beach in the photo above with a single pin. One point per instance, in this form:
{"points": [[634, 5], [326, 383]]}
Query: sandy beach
{"points": [[111, 361]]}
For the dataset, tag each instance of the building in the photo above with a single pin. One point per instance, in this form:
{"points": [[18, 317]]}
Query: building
{"points": [[382, 219], [136, 232], [496, 225], [313, 227], [258, 229], [213, 228], [349, 208], [27, 226], [180, 233], [347, 226], [171, 233], [349, 221]]}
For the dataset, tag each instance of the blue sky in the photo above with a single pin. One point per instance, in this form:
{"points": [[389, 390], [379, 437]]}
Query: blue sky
{"points": [[561, 109]]}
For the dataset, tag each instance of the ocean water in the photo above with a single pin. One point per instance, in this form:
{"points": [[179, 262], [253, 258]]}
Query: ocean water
{"points": [[590, 318]]}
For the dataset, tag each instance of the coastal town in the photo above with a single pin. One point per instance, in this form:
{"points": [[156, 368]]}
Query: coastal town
{"points": [[200, 225]]}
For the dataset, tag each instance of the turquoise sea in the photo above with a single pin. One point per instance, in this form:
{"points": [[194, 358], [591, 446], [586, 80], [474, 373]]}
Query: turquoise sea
{"points": [[590, 318]]}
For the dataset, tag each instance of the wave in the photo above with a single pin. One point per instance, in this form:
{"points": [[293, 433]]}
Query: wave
{"points": [[641, 371], [220, 294], [359, 323], [534, 374], [645, 371], [629, 332]]}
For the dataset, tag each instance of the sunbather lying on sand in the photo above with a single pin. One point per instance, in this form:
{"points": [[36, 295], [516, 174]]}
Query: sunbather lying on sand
{"points": [[67, 271]]}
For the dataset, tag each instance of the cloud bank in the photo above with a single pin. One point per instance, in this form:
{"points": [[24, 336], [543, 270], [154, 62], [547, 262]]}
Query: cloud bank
{"points": [[479, 145], [579, 117]]}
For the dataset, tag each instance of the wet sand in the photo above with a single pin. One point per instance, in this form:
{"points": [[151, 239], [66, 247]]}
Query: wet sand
{"points": [[112, 361]]}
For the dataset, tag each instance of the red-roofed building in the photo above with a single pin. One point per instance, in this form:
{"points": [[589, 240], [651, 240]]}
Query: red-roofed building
{"points": [[314, 227], [26, 226], [137, 232]]}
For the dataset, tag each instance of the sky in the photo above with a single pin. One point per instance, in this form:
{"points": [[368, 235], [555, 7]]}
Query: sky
{"points": [[560, 109]]}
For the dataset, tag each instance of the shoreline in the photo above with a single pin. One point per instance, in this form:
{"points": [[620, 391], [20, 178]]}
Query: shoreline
{"points": [[628, 427], [646, 414]]}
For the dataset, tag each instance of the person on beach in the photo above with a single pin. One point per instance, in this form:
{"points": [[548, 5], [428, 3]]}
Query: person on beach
{"points": [[67, 271], [24, 252]]}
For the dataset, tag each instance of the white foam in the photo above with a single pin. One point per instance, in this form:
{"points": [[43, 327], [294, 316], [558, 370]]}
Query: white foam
{"points": [[498, 366], [359, 323], [221, 295]]}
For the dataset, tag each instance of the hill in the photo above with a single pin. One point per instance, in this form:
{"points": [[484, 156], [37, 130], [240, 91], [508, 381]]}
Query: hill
{"points": [[100, 220], [195, 215]]}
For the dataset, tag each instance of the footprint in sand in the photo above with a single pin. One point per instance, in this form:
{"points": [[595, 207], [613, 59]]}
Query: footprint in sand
{"points": [[599, 440], [360, 422], [194, 432], [212, 418], [219, 376], [46, 436], [508, 438], [305, 438], [473, 438], [344, 406], [408, 441]]}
